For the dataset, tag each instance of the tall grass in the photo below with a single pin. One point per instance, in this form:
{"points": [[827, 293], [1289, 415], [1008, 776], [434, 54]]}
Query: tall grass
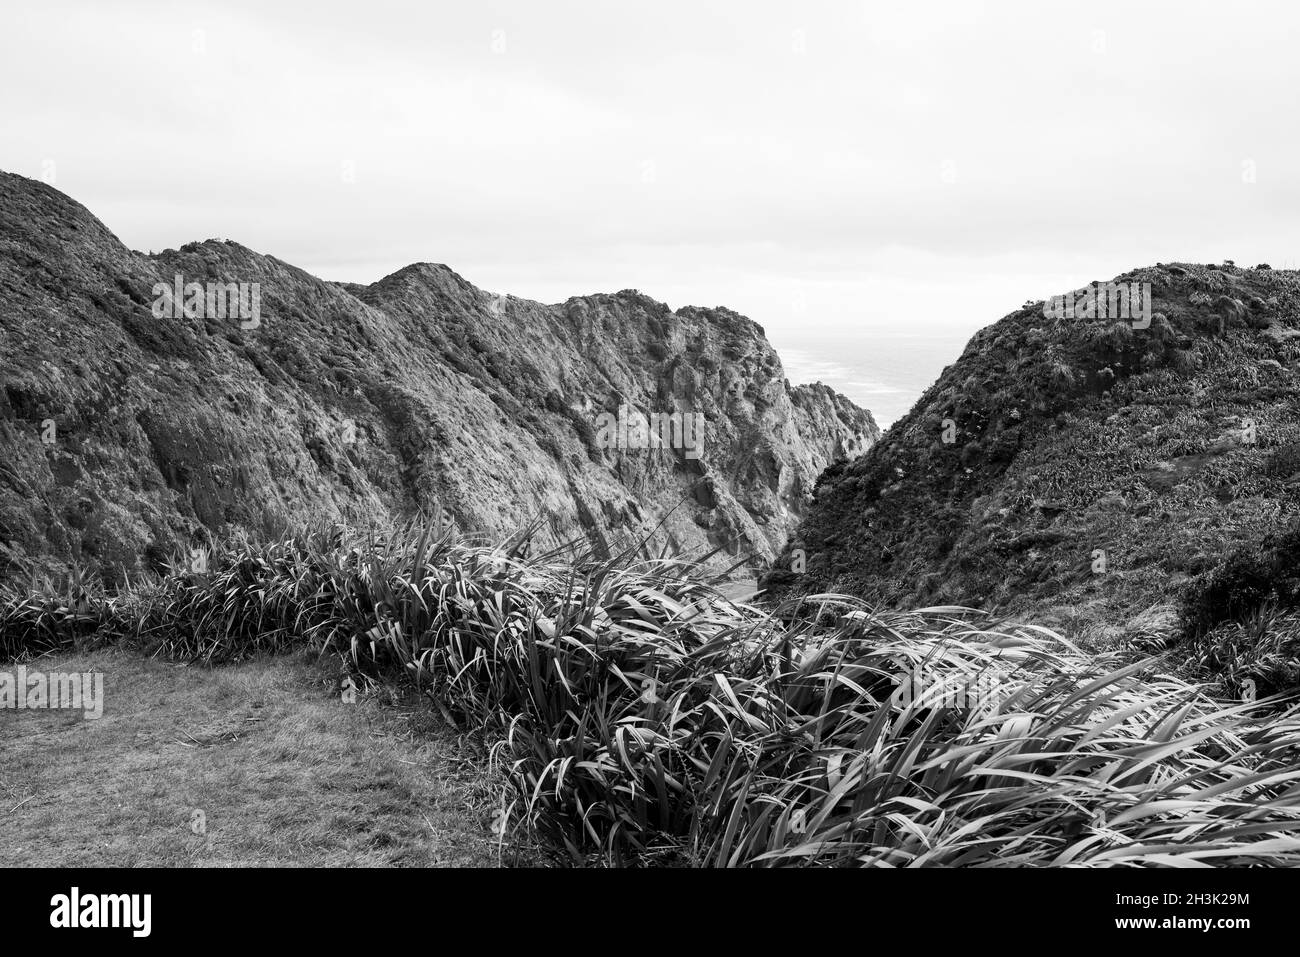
{"points": [[645, 718]]}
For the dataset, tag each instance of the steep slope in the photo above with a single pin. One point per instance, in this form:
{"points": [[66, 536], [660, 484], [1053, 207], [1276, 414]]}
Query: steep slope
{"points": [[125, 437], [1092, 464]]}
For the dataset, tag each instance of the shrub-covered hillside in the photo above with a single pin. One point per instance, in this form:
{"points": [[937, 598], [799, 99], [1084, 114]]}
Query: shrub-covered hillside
{"points": [[1092, 467]]}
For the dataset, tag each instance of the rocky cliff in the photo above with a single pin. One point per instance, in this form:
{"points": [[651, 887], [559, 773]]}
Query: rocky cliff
{"points": [[1077, 460], [131, 427]]}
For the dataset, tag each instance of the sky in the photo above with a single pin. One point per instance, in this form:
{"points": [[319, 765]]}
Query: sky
{"points": [[871, 182]]}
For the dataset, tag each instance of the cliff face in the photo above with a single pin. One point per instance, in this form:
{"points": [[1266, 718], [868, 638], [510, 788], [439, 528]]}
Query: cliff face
{"points": [[125, 437], [1073, 460]]}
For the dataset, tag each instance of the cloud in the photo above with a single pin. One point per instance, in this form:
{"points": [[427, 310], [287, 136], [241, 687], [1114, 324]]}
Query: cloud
{"points": [[877, 157]]}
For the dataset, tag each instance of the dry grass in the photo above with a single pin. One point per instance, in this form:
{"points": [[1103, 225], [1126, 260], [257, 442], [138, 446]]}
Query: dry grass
{"points": [[283, 770]]}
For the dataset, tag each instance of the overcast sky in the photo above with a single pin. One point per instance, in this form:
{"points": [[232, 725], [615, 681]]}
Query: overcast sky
{"points": [[870, 181]]}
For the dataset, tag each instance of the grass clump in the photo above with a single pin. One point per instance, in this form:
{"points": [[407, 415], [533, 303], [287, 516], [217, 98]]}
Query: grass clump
{"points": [[645, 718]]}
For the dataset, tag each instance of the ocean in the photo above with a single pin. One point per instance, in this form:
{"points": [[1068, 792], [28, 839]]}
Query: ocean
{"points": [[883, 371]]}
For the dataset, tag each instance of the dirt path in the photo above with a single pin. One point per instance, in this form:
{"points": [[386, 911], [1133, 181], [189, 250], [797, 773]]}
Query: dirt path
{"points": [[260, 763]]}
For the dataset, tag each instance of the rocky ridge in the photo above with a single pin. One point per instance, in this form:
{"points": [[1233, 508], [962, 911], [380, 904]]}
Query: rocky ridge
{"points": [[125, 438]]}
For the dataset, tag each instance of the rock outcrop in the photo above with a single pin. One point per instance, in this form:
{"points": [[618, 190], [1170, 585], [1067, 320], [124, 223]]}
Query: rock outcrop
{"points": [[126, 437]]}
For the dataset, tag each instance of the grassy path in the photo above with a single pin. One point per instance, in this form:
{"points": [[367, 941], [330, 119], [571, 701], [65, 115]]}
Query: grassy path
{"points": [[281, 769]]}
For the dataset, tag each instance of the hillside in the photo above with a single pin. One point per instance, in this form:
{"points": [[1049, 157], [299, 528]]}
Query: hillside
{"points": [[125, 437], [1094, 466]]}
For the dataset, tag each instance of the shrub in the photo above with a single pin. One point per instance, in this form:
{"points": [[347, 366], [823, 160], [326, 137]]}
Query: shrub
{"points": [[1284, 461], [1243, 583], [1256, 656], [1062, 377]]}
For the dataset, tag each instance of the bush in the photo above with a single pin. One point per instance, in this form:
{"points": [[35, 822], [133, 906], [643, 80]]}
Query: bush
{"points": [[1284, 461], [1243, 583], [1062, 377], [1257, 656]]}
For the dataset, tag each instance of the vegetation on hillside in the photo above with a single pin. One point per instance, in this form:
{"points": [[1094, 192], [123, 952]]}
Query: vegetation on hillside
{"points": [[1240, 622], [645, 718], [1077, 467]]}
